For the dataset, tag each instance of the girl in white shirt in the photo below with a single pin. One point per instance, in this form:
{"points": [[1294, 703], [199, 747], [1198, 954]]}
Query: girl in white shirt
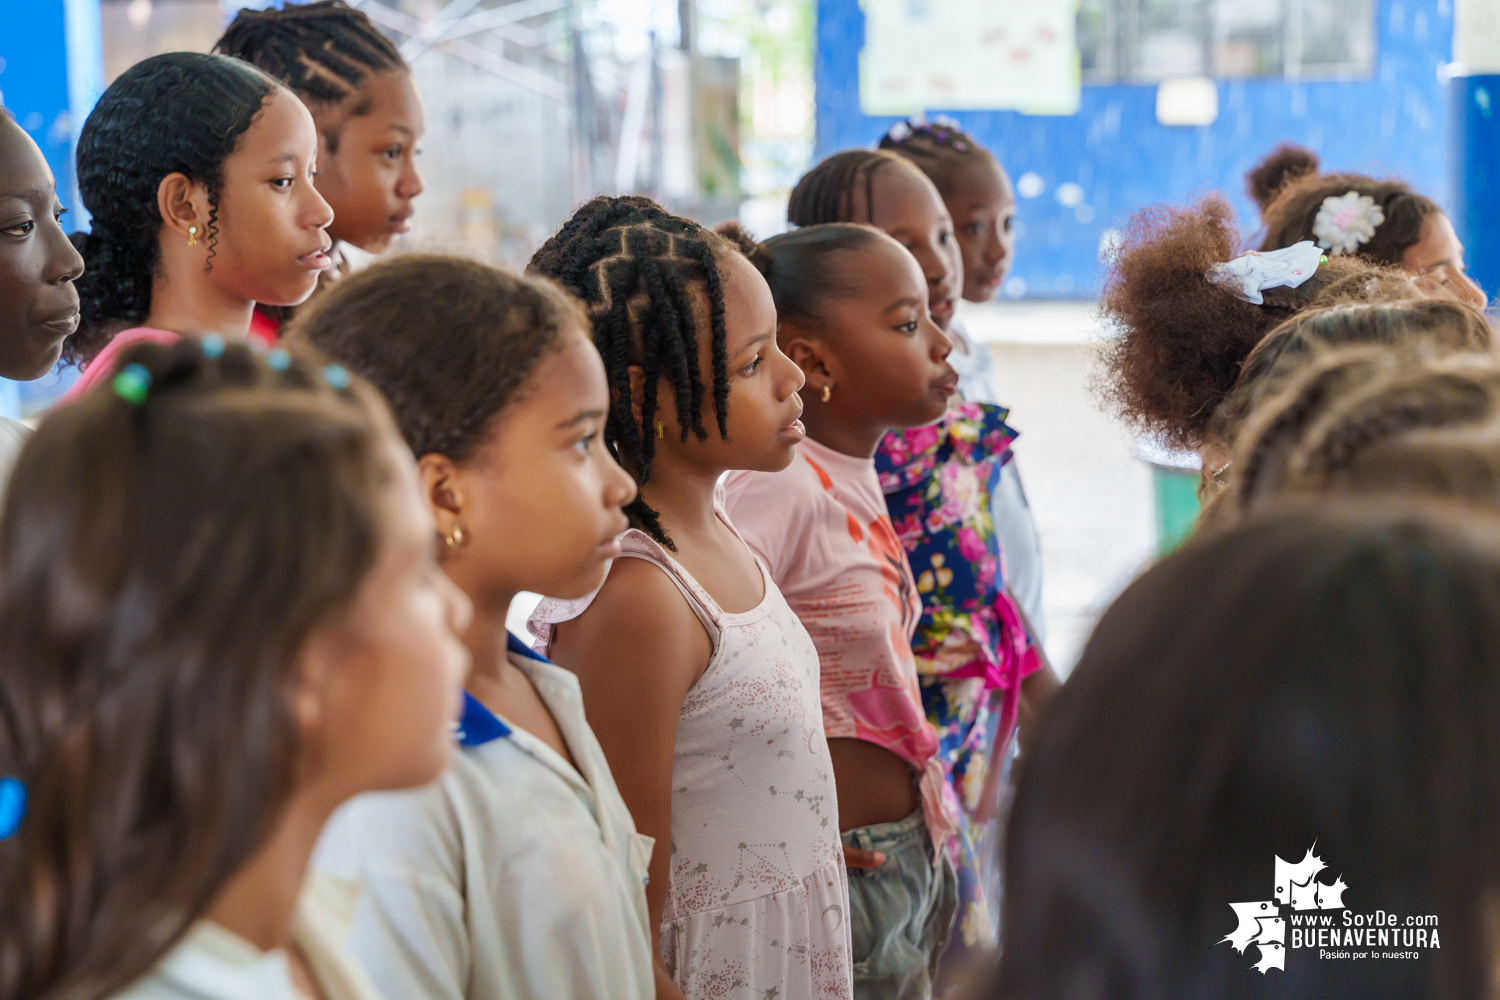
{"points": [[521, 875], [220, 618]]}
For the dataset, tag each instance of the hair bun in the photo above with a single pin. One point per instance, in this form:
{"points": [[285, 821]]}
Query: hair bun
{"points": [[1283, 165], [737, 234]]}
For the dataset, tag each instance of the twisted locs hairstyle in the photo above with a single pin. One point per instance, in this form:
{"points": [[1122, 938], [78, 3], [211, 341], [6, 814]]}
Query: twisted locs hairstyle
{"points": [[161, 566], [939, 148], [449, 342], [181, 112], [1290, 215], [1377, 420], [1181, 337], [638, 271], [323, 51], [826, 193]]}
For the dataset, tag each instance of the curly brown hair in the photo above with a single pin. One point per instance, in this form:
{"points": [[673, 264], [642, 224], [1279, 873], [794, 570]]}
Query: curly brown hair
{"points": [[1182, 337], [1290, 215], [1281, 166]]}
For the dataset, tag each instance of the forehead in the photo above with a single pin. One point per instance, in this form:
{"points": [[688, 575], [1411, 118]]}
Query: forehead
{"points": [[978, 179], [282, 122], [903, 191], [22, 168], [881, 272]]}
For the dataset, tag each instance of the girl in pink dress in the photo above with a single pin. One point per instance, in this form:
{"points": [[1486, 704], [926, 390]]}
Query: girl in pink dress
{"points": [[698, 679], [197, 171]]}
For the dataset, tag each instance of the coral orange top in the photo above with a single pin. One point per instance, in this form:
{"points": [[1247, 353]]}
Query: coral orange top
{"points": [[822, 529]]}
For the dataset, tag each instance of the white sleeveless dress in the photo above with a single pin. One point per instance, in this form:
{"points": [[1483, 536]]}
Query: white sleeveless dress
{"points": [[758, 902]]}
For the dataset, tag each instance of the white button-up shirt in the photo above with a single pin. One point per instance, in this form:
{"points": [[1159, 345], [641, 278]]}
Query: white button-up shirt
{"points": [[517, 877]]}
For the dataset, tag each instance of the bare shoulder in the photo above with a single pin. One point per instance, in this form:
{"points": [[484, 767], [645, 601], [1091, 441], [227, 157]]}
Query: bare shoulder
{"points": [[638, 623]]}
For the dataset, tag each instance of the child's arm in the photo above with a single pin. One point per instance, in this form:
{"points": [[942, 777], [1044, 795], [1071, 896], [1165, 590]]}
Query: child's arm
{"points": [[637, 651]]}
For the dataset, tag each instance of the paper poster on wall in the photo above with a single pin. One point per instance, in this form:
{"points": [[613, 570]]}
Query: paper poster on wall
{"points": [[969, 55]]}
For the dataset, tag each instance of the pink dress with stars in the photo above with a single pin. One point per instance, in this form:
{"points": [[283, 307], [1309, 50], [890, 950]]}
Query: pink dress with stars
{"points": [[758, 902]]}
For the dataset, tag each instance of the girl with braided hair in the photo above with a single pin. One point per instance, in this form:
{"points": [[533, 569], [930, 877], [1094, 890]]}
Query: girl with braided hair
{"points": [[367, 111], [38, 268], [220, 618], [852, 307], [699, 680], [198, 173], [1416, 417]]}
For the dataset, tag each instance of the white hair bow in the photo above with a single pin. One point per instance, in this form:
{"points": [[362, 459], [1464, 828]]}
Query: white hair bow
{"points": [[1249, 274]]}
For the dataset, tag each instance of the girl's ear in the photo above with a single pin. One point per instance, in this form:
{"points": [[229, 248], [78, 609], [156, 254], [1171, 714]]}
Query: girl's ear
{"points": [[808, 352], [183, 204], [443, 489]]}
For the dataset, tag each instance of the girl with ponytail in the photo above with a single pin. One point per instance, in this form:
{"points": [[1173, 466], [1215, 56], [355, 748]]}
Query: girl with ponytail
{"points": [[197, 171]]}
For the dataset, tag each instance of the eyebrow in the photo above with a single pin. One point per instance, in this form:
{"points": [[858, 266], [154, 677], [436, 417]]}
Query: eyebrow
{"points": [[580, 418], [899, 303], [1433, 267], [400, 128], [283, 158], [752, 342]]}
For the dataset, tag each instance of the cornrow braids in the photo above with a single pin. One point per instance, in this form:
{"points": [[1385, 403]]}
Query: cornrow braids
{"points": [[322, 51], [826, 192], [1379, 419], [939, 148], [636, 267]]}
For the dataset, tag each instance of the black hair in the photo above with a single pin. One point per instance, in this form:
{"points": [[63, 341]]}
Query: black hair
{"points": [[450, 342], [323, 51], [803, 267], [940, 149], [826, 192], [1324, 678], [635, 266], [180, 112]]}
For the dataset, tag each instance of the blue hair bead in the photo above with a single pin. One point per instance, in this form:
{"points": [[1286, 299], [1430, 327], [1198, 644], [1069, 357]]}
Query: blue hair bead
{"points": [[213, 347], [279, 360], [12, 806], [336, 376], [132, 383]]}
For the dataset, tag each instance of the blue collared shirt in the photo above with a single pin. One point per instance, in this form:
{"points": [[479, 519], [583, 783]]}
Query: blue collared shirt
{"points": [[478, 725]]}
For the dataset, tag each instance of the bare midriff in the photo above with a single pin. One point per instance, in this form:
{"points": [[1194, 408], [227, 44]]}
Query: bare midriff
{"points": [[874, 784]]}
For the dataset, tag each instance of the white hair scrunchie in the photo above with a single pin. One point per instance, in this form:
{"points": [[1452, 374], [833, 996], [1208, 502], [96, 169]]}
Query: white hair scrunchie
{"points": [[1248, 274]]}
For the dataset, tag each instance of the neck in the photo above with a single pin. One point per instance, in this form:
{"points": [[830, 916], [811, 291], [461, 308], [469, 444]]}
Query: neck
{"points": [[682, 496], [197, 307], [486, 640], [841, 432], [260, 900]]}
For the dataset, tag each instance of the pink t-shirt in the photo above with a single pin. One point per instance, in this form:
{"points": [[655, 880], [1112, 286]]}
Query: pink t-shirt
{"points": [[103, 365], [822, 528]]}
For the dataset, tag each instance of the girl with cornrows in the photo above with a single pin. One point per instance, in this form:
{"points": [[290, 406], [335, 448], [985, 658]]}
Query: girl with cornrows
{"points": [[699, 680], [220, 618], [366, 109], [852, 309], [198, 173], [978, 661]]}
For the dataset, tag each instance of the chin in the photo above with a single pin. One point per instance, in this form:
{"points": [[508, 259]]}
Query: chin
{"points": [[29, 367], [293, 293]]}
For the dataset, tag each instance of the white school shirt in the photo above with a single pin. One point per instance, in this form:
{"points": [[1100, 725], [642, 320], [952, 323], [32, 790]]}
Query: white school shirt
{"points": [[212, 963], [516, 877]]}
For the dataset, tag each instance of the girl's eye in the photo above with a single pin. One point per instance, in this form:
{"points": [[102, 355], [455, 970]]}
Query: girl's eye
{"points": [[59, 212], [752, 367], [584, 443], [975, 228], [24, 229], [394, 153], [283, 183], [944, 238], [910, 327]]}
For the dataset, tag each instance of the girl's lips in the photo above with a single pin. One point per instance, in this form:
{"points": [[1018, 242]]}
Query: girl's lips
{"points": [[610, 549], [400, 223], [793, 432], [942, 309], [65, 324], [318, 260]]}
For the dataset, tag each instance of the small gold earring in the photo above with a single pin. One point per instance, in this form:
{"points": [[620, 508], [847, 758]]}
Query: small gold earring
{"points": [[192, 236], [827, 391], [455, 538], [660, 431]]}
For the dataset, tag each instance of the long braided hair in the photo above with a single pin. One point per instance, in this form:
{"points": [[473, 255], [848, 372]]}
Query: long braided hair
{"points": [[636, 268], [323, 51], [180, 112], [826, 193], [939, 148]]}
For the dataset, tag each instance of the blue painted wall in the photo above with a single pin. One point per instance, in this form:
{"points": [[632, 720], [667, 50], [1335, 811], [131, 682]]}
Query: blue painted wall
{"points": [[1395, 123]]}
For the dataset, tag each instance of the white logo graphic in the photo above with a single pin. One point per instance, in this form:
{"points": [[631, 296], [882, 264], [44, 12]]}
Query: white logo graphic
{"points": [[1261, 923]]}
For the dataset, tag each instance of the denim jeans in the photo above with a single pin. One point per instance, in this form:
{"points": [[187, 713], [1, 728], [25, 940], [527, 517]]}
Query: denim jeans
{"points": [[901, 913]]}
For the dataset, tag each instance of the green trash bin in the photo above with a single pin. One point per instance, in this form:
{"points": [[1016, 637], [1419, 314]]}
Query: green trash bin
{"points": [[1174, 483]]}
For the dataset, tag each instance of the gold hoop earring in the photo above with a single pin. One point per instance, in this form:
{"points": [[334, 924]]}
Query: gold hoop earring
{"points": [[455, 539], [827, 391], [192, 236]]}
